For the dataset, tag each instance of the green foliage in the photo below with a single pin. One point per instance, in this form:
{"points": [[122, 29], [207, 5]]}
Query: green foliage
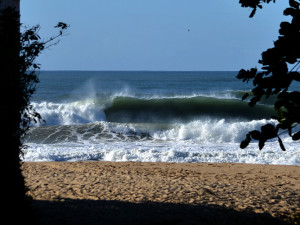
{"points": [[275, 78]]}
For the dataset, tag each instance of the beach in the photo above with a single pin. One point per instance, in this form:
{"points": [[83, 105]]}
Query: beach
{"points": [[97, 192]]}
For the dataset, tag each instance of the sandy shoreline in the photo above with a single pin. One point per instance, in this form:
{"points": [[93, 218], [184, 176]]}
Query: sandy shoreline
{"points": [[261, 189]]}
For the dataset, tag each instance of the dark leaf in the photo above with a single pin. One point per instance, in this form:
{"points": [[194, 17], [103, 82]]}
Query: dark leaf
{"points": [[255, 134], [294, 4], [284, 28], [281, 144], [61, 25], [296, 136], [290, 131], [245, 96], [261, 144], [245, 142], [268, 131], [35, 66], [295, 97], [241, 74], [279, 104], [289, 12], [295, 76], [252, 13], [276, 77], [247, 74], [253, 101]]}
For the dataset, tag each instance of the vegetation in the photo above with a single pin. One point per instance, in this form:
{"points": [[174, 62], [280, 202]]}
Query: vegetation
{"points": [[18, 79], [275, 77]]}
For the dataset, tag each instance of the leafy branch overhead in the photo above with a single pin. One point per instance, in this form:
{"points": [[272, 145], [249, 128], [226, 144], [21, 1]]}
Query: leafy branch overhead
{"points": [[254, 4], [31, 46], [275, 77]]}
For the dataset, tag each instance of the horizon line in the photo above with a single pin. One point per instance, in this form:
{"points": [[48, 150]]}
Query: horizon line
{"points": [[140, 70]]}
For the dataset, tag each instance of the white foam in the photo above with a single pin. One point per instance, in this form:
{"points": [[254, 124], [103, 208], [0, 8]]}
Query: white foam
{"points": [[203, 140], [198, 141], [211, 131], [78, 112], [180, 151]]}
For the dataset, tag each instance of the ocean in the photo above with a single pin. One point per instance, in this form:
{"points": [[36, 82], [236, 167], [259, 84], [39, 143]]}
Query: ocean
{"points": [[150, 116]]}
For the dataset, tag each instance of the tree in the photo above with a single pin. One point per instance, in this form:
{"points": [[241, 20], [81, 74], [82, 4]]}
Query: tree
{"points": [[18, 78], [275, 77]]}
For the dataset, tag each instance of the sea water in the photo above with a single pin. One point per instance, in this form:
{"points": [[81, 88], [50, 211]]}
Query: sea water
{"points": [[150, 116]]}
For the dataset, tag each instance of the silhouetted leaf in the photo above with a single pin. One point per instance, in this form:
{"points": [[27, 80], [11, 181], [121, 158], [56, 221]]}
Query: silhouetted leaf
{"points": [[276, 77], [296, 136], [295, 76], [261, 144], [268, 131], [281, 144], [61, 25], [255, 134], [253, 101], [252, 13], [294, 4], [246, 74], [279, 104], [245, 96], [290, 131], [245, 143], [295, 97], [289, 12], [284, 28], [258, 78]]}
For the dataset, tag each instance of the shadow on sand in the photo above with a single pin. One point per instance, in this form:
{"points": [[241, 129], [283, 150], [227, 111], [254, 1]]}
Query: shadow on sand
{"points": [[115, 212]]}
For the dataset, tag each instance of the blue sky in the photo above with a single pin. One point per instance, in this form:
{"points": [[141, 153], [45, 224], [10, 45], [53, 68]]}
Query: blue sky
{"points": [[173, 35]]}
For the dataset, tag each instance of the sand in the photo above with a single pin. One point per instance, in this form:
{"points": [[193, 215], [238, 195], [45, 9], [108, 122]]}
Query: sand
{"points": [[163, 193]]}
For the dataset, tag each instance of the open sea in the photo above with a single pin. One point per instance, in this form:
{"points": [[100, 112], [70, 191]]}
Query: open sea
{"points": [[150, 116]]}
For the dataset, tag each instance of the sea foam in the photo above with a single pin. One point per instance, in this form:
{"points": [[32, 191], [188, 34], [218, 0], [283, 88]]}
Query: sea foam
{"points": [[150, 117], [197, 141], [164, 152]]}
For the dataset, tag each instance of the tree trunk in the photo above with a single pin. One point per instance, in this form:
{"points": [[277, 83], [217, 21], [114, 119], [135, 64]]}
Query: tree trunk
{"points": [[15, 202]]}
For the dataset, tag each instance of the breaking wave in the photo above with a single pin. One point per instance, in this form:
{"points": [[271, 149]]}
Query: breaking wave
{"points": [[149, 110]]}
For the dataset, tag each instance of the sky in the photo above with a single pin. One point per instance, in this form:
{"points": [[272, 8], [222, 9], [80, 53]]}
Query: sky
{"points": [[158, 35]]}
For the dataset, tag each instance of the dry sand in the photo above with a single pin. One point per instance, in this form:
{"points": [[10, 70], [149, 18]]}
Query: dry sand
{"points": [[163, 193]]}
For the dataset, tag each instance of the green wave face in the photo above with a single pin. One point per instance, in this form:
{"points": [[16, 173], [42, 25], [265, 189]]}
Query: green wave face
{"points": [[129, 109]]}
